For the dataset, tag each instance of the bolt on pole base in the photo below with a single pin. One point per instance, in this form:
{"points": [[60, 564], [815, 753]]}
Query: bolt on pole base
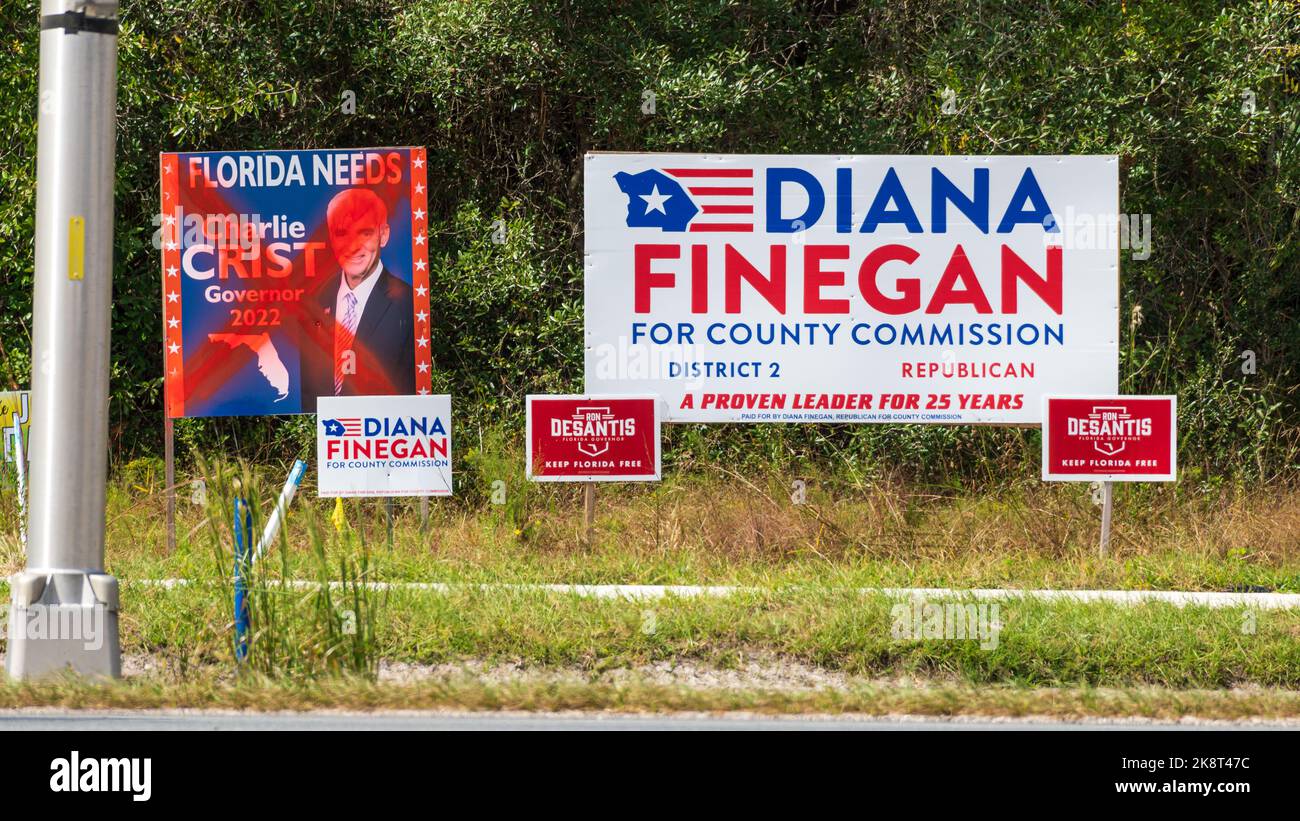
{"points": [[63, 621]]}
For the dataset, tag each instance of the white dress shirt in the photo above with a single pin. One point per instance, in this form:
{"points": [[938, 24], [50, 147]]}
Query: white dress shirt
{"points": [[362, 293]]}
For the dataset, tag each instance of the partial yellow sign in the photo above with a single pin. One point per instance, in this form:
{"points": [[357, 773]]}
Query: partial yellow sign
{"points": [[14, 406]]}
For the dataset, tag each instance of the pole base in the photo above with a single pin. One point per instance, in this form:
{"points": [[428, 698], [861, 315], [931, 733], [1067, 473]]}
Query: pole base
{"points": [[63, 621]]}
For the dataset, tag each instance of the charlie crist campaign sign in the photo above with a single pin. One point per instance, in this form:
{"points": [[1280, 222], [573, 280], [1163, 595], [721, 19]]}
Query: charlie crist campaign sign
{"points": [[384, 445], [851, 288], [290, 275], [593, 438]]}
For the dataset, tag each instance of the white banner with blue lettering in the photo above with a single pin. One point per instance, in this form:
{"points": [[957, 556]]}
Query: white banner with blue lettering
{"points": [[761, 288]]}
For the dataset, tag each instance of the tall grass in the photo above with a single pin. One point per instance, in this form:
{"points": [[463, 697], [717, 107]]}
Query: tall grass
{"points": [[717, 523], [327, 628]]}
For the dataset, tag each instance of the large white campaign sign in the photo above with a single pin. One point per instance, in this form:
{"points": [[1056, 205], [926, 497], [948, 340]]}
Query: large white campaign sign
{"points": [[384, 445], [851, 288]]}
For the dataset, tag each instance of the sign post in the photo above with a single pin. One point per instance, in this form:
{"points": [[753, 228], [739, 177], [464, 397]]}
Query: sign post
{"points": [[388, 519], [1107, 510], [20, 467], [589, 508], [169, 478], [64, 583], [1110, 439]]}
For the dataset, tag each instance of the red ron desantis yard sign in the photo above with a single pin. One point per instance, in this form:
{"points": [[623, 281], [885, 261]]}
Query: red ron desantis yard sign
{"points": [[1110, 438], [593, 438]]}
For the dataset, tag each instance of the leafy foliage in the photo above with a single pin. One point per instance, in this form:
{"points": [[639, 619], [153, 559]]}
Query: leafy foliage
{"points": [[509, 94]]}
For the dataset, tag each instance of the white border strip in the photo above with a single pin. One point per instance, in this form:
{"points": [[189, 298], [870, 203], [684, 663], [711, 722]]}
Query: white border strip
{"points": [[644, 592]]}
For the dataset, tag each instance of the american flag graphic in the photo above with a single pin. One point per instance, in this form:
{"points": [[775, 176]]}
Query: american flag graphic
{"points": [[350, 426], [725, 197], [689, 199]]}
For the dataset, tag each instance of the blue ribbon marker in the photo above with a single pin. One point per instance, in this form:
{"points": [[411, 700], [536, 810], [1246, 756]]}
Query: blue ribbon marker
{"points": [[243, 546]]}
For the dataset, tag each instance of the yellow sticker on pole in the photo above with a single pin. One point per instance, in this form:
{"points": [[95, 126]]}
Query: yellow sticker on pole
{"points": [[77, 248]]}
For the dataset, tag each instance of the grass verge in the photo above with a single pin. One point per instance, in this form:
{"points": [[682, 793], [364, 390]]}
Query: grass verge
{"points": [[187, 631], [362, 695], [805, 561]]}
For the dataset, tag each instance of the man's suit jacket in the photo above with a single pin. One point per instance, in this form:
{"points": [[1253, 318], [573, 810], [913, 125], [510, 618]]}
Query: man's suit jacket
{"points": [[384, 342]]}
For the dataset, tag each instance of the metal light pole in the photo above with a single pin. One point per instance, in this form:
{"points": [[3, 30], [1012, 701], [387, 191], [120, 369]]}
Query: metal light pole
{"points": [[64, 609]]}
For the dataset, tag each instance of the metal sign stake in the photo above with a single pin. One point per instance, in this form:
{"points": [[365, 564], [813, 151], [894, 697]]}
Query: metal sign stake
{"points": [[169, 477], [589, 505], [388, 519], [1107, 508], [20, 466]]}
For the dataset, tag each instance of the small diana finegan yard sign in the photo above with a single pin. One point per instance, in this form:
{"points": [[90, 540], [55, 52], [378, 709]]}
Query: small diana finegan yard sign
{"points": [[384, 445]]}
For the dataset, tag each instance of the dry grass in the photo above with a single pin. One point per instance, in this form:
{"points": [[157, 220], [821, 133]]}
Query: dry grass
{"points": [[716, 524], [467, 694], [718, 527], [745, 521]]}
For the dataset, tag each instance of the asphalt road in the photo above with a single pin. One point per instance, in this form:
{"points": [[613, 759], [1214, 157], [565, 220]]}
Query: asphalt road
{"points": [[333, 721]]}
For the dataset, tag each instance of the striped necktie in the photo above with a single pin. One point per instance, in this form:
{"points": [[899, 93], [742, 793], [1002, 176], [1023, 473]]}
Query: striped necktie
{"points": [[344, 332]]}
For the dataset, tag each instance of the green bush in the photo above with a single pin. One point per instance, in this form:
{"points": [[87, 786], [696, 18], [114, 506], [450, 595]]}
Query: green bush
{"points": [[508, 95]]}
